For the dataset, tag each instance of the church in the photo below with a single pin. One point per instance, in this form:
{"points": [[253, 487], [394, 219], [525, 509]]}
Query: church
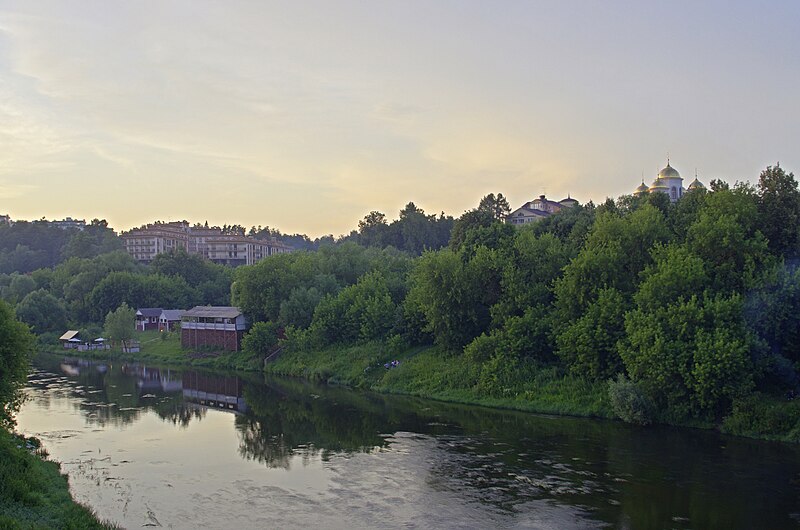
{"points": [[668, 181]]}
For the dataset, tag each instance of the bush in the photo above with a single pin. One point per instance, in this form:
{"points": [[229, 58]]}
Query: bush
{"points": [[764, 416], [628, 401]]}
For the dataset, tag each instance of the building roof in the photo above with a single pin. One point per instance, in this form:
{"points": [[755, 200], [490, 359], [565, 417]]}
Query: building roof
{"points": [[149, 312], [669, 172], [658, 184], [71, 334], [213, 311], [172, 314]]}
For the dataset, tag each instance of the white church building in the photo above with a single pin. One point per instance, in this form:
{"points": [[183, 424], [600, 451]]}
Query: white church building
{"points": [[668, 181]]}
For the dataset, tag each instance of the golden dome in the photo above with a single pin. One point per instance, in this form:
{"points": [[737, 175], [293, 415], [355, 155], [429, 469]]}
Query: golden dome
{"points": [[658, 184], [696, 185], [669, 172]]}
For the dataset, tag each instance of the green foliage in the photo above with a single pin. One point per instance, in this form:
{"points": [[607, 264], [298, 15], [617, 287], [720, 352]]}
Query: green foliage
{"points": [[692, 356], [16, 343], [629, 402], [726, 236], [588, 345], [779, 209], [119, 324], [455, 296], [358, 313], [764, 416], [43, 312], [262, 338]]}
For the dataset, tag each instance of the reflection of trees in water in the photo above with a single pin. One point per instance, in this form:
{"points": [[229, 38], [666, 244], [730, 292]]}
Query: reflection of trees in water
{"points": [[117, 394], [290, 418], [629, 477]]}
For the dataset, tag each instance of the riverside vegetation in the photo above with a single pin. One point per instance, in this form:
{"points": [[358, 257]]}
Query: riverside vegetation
{"points": [[637, 308], [33, 492]]}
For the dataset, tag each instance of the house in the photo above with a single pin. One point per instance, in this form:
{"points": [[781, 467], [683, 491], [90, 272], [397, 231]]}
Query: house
{"points": [[70, 340], [147, 318], [538, 209], [169, 319], [216, 327]]}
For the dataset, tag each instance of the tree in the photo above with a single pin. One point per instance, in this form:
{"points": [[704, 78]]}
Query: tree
{"points": [[16, 342], [779, 209], [496, 206], [43, 312], [262, 338], [120, 323]]}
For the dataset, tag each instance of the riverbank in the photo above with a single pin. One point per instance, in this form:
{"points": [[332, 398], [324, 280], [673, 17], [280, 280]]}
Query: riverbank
{"points": [[33, 492], [430, 373], [165, 349]]}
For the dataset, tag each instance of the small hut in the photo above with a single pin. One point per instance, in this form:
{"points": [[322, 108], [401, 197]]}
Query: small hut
{"points": [[70, 340]]}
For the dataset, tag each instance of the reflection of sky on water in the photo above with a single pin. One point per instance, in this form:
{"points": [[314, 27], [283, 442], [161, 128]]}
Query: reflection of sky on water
{"points": [[141, 450]]}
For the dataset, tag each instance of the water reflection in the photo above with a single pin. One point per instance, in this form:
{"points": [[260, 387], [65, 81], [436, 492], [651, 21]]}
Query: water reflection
{"points": [[502, 468]]}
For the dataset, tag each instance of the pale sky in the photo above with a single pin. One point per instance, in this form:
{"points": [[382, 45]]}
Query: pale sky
{"points": [[304, 116]]}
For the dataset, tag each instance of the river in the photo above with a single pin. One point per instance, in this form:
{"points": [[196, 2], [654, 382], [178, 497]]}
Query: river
{"points": [[152, 447]]}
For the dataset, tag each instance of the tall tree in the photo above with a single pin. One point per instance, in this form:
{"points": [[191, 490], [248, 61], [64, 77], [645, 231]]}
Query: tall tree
{"points": [[779, 209], [16, 343], [497, 206], [120, 323]]}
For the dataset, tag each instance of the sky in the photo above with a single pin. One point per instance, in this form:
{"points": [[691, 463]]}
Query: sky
{"points": [[307, 115]]}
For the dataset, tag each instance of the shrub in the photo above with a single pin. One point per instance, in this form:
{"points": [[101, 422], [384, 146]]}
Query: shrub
{"points": [[628, 401]]}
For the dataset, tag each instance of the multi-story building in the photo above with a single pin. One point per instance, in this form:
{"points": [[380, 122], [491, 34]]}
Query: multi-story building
{"points": [[145, 243]]}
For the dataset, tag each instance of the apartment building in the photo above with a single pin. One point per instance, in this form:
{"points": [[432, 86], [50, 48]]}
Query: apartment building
{"points": [[145, 243]]}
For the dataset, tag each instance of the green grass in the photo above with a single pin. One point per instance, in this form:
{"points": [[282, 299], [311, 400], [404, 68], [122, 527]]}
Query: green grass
{"points": [[431, 373], [165, 349], [34, 493]]}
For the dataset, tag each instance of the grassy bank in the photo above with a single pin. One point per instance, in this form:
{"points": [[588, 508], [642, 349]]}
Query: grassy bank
{"points": [[428, 372], [165, 349], [33, 492]]}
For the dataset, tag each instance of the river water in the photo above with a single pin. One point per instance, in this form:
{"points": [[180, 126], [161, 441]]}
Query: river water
{"points": [[150, 447]]}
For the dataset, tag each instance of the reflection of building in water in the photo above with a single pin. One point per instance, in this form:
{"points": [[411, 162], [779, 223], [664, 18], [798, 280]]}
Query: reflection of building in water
{"points": [[214, 391], [74, 366], [149, 379]]}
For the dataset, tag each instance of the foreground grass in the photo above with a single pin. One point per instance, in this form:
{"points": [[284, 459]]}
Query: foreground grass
{"points": [[34, 493], [428, 372]]}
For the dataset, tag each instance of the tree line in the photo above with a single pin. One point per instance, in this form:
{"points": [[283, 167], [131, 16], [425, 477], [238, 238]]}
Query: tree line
{"points": [[688, 309]]}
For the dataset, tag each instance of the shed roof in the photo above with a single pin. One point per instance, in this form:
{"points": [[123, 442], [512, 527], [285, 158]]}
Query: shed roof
{"points": [[172, 314], [71, 334], [213, 311]]}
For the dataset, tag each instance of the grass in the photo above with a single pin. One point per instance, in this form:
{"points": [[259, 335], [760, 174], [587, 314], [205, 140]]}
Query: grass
{"points": [[165, 349], [34, 493], [431, 373]]}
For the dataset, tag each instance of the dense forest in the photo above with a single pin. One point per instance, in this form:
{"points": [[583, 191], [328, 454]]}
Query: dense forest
{"points": [[691, 311]]}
